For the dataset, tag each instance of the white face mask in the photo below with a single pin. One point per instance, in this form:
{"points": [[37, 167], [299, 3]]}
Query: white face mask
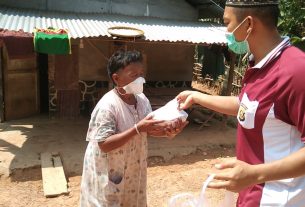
{"points": [[135, 87]]}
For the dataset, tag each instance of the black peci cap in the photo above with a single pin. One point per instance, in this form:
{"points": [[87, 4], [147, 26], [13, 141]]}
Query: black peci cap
{"points": [[251, 3]]}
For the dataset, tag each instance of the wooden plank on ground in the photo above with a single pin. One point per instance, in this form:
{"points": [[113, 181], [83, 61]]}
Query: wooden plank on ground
{"points": [[53, 176]]}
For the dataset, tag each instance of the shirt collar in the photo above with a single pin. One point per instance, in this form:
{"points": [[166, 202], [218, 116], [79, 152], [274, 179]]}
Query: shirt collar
{"points": [[271, 55]]}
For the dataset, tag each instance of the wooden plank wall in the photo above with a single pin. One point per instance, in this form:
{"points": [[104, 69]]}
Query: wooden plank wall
{"points": [[66, 80], [20, 87]]}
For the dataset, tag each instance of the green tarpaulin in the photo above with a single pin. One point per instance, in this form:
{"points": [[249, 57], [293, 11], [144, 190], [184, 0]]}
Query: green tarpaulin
{"points": [[52, 41]]}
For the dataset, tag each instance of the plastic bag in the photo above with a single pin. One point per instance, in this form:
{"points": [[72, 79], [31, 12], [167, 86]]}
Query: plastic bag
{"points": [[169, 112], [190, 200]]}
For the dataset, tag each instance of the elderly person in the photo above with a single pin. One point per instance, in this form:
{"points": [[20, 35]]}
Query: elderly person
{"points": [[115, 163]]}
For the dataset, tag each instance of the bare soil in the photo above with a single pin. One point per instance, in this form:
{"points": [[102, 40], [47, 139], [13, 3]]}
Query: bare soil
{"points": [[165, 179], [175, 166]]}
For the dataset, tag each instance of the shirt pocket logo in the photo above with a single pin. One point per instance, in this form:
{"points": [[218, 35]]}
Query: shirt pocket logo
{"points": [[246, 112], [242, 112]]}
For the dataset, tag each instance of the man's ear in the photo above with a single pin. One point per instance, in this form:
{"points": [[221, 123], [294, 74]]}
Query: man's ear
{"points": [[115, 78], [250, 24]]}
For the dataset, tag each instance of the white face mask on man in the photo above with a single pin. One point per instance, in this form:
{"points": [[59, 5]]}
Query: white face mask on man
{"points": [[135, 87]]}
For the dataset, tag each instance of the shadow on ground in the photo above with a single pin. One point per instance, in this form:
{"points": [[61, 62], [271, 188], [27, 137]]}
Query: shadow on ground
{"points": [[22, 142]]}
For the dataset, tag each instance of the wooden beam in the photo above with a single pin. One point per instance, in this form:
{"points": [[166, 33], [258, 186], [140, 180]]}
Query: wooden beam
{"points": [[228, 91], [231, 74], [1, 86], [53, 176]]}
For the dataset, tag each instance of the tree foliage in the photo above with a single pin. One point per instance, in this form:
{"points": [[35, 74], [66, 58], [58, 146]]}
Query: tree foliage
{"points": [[292, 21]]}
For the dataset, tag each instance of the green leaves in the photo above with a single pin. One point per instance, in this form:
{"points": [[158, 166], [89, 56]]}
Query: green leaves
{"points": [[292, 21]]}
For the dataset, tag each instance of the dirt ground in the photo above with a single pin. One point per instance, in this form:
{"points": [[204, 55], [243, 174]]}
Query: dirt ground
{"points": [[175, 166]]}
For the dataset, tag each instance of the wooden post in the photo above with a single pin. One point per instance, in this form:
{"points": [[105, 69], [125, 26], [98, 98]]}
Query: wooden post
{"points": [[1, 86], [230, 82], [111, 51], [66, 83], [231, 74], [144, 62]]}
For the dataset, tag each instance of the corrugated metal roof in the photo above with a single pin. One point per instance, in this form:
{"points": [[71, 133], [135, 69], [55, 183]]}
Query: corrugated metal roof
{"points": [[96, 25]]}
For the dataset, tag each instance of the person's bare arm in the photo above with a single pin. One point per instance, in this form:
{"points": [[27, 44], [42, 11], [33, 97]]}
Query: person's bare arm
{"points": [[117, 140], [289, 167], [223, 104], [236, 175]]}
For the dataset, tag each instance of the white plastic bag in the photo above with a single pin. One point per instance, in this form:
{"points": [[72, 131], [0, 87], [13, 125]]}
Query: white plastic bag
{"points": [[169, 112], [190, 200]]}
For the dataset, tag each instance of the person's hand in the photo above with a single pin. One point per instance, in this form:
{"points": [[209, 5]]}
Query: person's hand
{"points": [[167, 128], [175, 127], [148, 124], [185, 99], [234, 175]]}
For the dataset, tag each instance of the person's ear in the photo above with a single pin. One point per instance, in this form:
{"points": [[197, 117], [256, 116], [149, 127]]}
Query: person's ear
{"points": [[115, 78], [250, 24]]}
